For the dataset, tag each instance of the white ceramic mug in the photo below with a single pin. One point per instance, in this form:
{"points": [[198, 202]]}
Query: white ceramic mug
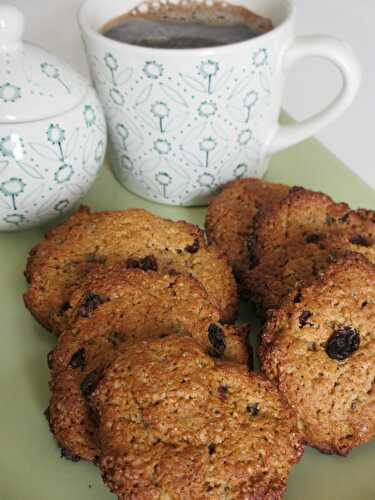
{"points": [[183, 122]]}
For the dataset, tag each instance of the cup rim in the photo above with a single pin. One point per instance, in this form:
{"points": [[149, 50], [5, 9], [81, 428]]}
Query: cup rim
{"points": [[204, 51]]}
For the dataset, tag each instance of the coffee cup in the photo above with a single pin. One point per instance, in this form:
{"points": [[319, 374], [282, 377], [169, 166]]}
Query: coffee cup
{"points": [[184, 122]]}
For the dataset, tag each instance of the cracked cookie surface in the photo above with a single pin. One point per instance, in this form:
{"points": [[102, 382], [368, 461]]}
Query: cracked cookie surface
{"points": [[320, 352], [176, 424], [116, 305], [134, 237]]}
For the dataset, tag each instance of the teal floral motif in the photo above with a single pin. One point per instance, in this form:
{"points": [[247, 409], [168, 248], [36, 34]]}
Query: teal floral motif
{"points": [[89, 115], [56, 135], [260, 57], [123, 132], [207, 109], [164, 179], [99, 151], [240, 171], [249, 102], [162, 146], [12, 187], [161, 111], [61, 206], [244, 137], [52, 71], [208, 69], [207, 145], [126, 163], [12, 146], [206, 180], [112, 64], [63, 174], [153, 70], [16, 219], [9, 92], [117, 97]]}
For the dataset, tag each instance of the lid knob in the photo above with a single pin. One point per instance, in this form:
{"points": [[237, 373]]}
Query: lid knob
{"points": [[12, 23]]}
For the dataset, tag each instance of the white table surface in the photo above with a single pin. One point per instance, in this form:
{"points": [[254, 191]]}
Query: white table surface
{"points": [[52, 24]]}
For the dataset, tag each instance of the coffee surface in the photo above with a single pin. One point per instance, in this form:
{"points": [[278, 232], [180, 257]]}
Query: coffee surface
{"points": [[186, 26]]}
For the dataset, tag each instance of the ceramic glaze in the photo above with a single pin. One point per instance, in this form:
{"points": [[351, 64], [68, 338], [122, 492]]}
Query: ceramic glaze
{"points": [[52, 131]]}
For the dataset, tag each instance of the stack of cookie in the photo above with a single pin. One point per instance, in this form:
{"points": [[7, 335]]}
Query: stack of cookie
{"points": [[308, 265], [150, 379]]}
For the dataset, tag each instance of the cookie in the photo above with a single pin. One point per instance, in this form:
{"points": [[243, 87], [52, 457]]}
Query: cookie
{"points": [[231, 214], [175, 424], [114, 305], [297, 238], [319, 350], [135, 237]]}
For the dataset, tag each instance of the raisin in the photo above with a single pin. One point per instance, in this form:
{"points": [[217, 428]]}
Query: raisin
{"points": [[253, 409], [194, 247], [298, 297], [344, 218], [68, 455], [64, 307], [343, 343], [217, 339], [329, 220], [314, 238], [148, 263], [89, 383], [50, 359], [78, 359], [304, 316], [211, 448], [223, 392], [115, 338], [89, 304], [360, 241]]}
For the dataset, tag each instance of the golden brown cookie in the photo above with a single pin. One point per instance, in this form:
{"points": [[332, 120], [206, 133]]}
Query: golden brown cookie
{"points": [[116, 305], [319, 349], [174, 424], [231, 214], [135, 237], [298, 237]]}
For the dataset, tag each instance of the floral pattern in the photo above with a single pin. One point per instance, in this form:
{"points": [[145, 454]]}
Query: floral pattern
{"points": [[179, 133]]}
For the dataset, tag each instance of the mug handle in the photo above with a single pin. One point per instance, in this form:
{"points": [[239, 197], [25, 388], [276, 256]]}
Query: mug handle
{"points": [[342, 56]]}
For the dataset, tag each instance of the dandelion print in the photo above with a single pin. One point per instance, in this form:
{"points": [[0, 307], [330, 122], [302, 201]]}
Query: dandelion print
{"points": [[64, 173], [208, 69], [207, 146], [164, 179], [117, 97], [162, 146], [123, 132], [9, 92], [240, 171], [153, 70], [12, 188], [207, 109], [244, 137], [89, 115], [61, 206], [206, 180], [112, 65], [161, 111], [249, 102], [56, 135], [260, 57], [16, 219], [12, 146], [52, 71]]}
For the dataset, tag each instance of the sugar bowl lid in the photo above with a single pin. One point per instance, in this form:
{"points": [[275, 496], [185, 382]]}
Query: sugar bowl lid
{"points": [[34, 84]]}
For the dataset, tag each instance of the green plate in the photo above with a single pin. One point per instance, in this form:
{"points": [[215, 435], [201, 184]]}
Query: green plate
{"points": [[30, 463]]}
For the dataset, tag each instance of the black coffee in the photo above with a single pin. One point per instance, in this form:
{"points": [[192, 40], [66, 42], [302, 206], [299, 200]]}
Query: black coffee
{"points": [[186, 26]]}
